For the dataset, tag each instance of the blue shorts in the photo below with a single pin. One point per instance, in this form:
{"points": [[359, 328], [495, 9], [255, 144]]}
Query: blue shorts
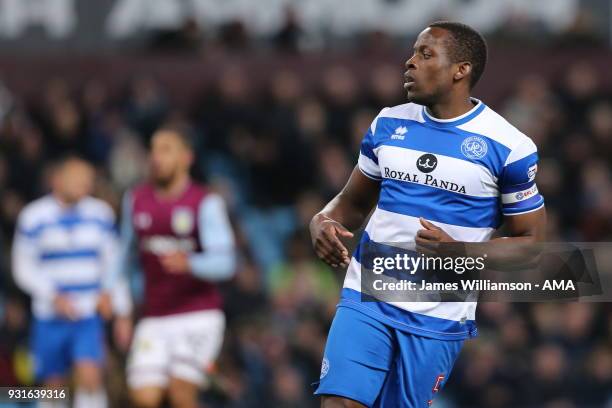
{"points": [[58, 343], [382, 367]]}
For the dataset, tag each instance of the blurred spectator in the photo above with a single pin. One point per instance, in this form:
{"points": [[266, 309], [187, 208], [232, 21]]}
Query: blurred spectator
{"points": [[288, 389], [288, 36], [233, 35], [340, 94], [303, 281], [579, 90], [385, 87], [6, 101], [15, 364], [60, 119], [146, 106], [187, 38], [127, 160], [550, 376], [594, 387]]}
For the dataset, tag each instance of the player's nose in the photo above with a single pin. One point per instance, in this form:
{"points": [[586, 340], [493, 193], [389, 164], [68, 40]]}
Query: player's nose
{"points": [[409, 64]]}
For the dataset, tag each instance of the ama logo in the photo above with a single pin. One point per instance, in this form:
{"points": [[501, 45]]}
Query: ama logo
{"points": [[400, 133]]}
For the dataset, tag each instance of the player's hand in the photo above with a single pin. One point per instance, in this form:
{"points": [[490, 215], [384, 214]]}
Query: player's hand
{"points": [[105, 306], [122, 332], [434, 241], [64, 307], [176, 263], [325, 234]]}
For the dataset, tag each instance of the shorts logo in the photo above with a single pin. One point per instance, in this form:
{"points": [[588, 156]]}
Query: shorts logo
{"points": [[436, 387], [324, 367], [182, 220], [474, 147], [427, 163]]}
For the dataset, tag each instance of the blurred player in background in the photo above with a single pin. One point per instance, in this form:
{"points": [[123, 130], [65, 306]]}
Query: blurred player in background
{"points": [[184, 240], [442, 168], [65, 243]]}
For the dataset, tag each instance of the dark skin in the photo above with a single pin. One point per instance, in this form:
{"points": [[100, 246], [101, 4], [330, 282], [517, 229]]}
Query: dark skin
{"points": [[443, 87]]}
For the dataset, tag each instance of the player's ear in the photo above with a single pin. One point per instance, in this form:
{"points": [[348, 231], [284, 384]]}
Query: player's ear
{"points": [[190, 157], [464, 69]]}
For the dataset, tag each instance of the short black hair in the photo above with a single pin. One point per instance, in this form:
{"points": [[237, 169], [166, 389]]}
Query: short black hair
{"points": [[67, 156], [182, 130], [59, 161], [468, 45]]}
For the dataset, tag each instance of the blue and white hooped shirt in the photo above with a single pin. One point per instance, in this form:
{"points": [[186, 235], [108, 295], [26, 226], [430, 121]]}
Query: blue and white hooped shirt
{"points": [[66, 250], [462, 174]]}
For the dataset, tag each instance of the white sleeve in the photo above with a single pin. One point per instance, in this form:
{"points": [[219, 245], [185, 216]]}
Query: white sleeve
{"points": [[218, 259], [368, 158], [519, 193], [119, 289], [25, 259], [121, 298]]}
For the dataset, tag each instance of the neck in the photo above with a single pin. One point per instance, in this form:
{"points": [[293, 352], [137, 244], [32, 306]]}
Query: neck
{"points": [[451, 108], [63, 201], [175, 187]]}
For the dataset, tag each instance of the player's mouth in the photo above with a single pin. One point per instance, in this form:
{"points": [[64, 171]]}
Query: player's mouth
{"points": [[408, 81]]}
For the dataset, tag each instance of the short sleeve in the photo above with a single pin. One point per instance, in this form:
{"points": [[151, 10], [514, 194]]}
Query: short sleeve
{"points": [[519, 192], [368, 159]]}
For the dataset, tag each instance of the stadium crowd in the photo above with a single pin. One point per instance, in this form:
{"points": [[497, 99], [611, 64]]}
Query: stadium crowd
{"points": [[277, 156]]}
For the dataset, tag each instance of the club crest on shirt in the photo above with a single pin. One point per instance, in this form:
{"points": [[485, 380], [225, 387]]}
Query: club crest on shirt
{"points": [[142, 220], [474, 147], [182, 220], [324, 367]]}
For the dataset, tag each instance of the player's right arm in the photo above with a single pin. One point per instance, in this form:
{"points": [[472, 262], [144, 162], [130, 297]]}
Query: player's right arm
{"points": [[25, 257], [116, 279], [26, 270], [344, 213], [127, 245], [348, 210]]}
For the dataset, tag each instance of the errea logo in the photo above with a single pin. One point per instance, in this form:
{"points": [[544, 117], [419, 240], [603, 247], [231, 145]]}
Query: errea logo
{"points": [[400, 133]]}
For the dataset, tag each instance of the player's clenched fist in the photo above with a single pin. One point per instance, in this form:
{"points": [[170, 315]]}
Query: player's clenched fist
{"points": [[434, 241], [325, 234], [105, 306], [64, 307]]}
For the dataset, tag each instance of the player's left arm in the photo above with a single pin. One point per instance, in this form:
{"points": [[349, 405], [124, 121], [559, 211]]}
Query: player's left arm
{"points": [[520, 247], [524, 217], [115, 298], [121, 250], [217, 262], [117, 260]]}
